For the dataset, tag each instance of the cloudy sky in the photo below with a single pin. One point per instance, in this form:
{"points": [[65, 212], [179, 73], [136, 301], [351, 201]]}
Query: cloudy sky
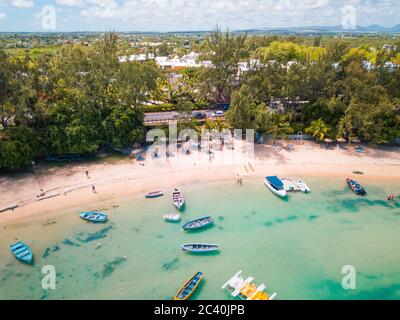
{"points": [[179, 15]]}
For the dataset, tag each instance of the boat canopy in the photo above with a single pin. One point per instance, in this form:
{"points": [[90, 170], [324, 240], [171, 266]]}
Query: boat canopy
{"points": [[276, 182]]}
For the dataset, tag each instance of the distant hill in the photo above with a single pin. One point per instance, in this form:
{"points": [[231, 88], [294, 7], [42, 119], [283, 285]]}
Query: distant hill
{"points": [[334, 29]]}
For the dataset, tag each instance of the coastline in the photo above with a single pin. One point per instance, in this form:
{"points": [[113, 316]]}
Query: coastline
{"points": [[121, 180]]}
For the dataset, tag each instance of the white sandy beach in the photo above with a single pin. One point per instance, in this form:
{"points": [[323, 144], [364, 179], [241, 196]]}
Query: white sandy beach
{"points": [[72, 189]]}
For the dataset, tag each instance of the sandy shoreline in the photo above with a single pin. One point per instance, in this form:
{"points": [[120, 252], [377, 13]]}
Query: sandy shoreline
{"points": [[119, 180]]}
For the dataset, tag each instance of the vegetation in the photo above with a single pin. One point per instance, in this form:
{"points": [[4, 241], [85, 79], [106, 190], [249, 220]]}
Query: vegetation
{"points": [[76, 97]]}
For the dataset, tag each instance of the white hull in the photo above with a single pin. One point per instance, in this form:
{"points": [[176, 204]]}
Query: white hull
{"points": [[279, 193], [172, 217], [303, 186]]}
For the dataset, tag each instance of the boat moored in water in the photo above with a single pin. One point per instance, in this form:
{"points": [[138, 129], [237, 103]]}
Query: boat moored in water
{"points": [[173, 217], [177, 199], [356, 187], [197, 224], [95, 217], [199, 247], [154, 194], [303, 186], [246, 289], [22, 252], [189, 287], [276, 186]]}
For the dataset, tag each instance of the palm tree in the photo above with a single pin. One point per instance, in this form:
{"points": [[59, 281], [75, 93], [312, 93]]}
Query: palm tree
{"points": [[280, 126], [318, 129]]}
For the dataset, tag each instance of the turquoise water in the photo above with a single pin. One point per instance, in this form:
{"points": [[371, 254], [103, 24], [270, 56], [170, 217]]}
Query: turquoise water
{"points": [[296, 247]]}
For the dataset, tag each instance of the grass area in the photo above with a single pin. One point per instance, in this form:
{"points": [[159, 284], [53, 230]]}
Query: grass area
{"points": [[34, 52]]}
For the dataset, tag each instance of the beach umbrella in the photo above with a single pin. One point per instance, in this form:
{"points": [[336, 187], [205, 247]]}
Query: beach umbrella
{"points": [[341, 140], [328, 140]]}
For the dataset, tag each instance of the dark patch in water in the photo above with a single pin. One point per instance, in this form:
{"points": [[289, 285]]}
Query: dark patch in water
{"points": [[70, 243], [171, 265], [160, 236], [50, 249], [253, 212], [353, 205], [268, 224], [292, 218], [221, 228], [109, 267], [335, 291], [221, 218], [88, 237], [312, 217]]}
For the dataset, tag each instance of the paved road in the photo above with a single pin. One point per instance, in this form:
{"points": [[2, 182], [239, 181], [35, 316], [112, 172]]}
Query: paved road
{"points": [[169, 115]]}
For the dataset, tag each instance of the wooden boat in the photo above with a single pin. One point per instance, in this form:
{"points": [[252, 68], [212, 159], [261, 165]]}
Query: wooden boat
{"points": [[357, 172], [172, 217], [22, 252], [154, 194], [303, 186], [94, 216], [199, 247], [356, 187], [177, 199], [189, 287], [199, 223], [276, 186]]}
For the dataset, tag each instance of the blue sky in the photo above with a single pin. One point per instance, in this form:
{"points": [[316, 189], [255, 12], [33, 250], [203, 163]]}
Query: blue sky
{"points": [[178, 15]]}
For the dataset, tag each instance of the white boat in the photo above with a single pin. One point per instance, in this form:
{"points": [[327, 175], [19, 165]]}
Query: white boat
{"points": [[173, 217], [177, 199], [303, 186], [276, 186], [246, 289]]}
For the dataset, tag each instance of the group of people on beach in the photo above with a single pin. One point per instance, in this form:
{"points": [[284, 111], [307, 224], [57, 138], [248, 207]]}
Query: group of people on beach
{"points": [[391, 197]]}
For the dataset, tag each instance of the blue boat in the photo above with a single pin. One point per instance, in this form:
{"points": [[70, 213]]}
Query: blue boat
{"points": [[94, 216], [196, 224], [189, 287], [356, 187], [22, 252], [199, 247], [276, 186]]}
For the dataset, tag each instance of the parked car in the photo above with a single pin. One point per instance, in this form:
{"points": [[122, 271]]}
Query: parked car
{"points": [[199, 115]]}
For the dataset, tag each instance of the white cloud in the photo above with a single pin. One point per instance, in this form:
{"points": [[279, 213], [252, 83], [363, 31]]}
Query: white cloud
{"points": [[23, 3], [2, 15], [70, 3]]}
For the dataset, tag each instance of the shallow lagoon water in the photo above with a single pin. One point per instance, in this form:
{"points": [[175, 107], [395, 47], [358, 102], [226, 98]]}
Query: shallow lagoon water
{"points": [[296, 247]]}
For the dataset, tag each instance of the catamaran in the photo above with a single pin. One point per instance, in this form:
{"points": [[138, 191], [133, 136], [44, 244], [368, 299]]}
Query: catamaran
{"points": [[246, 289], [276, 186]]}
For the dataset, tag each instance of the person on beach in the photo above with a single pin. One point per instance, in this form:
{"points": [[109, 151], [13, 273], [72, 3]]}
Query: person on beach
{"points": [[87, 174], [93, 189]]}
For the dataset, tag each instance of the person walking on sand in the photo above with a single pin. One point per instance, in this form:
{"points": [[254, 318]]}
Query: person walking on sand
{"points": [[93, 189], [87, 174]]}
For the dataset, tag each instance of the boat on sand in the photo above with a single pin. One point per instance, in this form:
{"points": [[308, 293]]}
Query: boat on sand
{"points": [[154, 194]]}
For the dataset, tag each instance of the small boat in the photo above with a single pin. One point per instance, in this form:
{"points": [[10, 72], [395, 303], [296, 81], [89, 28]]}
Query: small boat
{"points": [[199, 247], [199, 223], [243, 287], [94, 216], [276, 186], [22, 252], [177, 199], [154, 194], [356, 187], [303, 186], [172, 217], [189, 287], [357, 172]]}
